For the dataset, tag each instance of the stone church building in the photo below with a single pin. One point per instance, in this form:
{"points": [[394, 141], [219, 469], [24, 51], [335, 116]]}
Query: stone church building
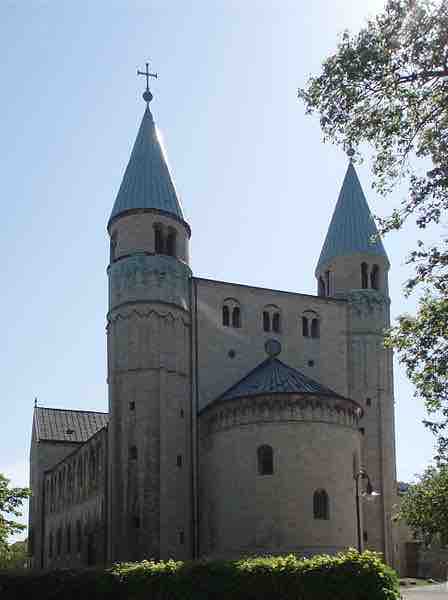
{"points": [[239, 417]]}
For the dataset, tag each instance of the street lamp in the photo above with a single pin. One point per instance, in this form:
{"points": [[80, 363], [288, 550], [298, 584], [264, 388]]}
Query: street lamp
{"points": [[362, 474]]}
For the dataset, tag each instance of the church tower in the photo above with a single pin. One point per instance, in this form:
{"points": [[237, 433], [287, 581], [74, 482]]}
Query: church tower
{"points": [[148, 348], [353, 265]]}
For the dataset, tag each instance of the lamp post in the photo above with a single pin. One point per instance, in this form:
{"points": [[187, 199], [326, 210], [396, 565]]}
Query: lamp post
{"points": [[362, 474]]}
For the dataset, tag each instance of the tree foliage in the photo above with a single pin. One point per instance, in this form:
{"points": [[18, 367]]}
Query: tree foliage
{"points": [[11, 500], [387, 86], [424, 507], [15, 555]]}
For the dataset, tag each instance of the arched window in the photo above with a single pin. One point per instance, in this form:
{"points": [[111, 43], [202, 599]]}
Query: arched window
{"points": [[305, 330], [78, 536], [59, 542], [171, 239], [158, 239], [265, 458], [68, 539], [321, 286], [236, 317], [327, 282], [113, 245], [50, 546], [374, 277], [320, 505], [364, 276], [272, 318], [266, 321], [133, 452], [276, 322], [231, 313], [315, 329]]}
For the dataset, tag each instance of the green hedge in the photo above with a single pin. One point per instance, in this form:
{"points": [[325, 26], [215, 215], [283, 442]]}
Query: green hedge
{"points": [[346, 576]]}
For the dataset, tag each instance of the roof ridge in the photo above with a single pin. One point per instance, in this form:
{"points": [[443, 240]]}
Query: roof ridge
{"points": [[97, 412]]}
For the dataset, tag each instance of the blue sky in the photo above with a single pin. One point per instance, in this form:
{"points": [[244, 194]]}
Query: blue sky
{"points": [[250, 167]]}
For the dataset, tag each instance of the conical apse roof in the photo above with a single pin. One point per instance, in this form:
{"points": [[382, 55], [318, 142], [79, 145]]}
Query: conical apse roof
{"points": [[352, 229], [147, 182]]}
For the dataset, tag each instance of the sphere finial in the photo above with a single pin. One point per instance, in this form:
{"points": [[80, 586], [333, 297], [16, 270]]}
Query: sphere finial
{"points": [[351, 153]]}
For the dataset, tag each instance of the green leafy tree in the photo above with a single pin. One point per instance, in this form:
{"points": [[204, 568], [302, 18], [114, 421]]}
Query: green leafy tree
{"points": [[424, 507], [11, 500], [15, 557], [387, 87]]}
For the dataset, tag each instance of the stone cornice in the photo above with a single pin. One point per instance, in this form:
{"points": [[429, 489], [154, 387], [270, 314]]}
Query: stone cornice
{"points": [[277, 408]]}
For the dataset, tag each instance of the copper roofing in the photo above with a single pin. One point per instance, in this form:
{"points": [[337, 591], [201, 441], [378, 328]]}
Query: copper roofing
{"points": [[60, 425], [147, 182], [273, 376], [352, 227]]}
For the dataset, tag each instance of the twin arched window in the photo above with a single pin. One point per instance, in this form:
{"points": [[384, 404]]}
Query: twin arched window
{"points": [[271, 319], [231, 313], [374, 278], [165, 240], [321, 508], [310, 325], [265, 460]]}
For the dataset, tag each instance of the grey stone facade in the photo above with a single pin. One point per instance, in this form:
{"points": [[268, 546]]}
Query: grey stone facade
{"points": [[176, 472]]}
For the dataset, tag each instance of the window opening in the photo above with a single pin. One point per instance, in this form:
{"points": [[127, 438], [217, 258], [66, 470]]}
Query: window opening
{"points": [[265, 456], [266, 321], [315, 333], [236, 317], [305, 330], [171, 243], [374, 277], [158, 239], [364, 276], [276, 322], [133, 452], [321, 287], [225, 316], [320, 505]]}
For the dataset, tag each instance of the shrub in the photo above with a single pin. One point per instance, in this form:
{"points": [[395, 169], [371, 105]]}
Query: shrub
{"points": [[346, 576]]}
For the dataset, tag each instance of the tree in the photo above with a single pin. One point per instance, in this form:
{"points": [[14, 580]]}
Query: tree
{"points": [[424, 506], [15, 557], [11, 500], [387, 87]]}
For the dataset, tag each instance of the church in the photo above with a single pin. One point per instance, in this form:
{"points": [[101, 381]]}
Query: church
{"points": [[241, 419]]}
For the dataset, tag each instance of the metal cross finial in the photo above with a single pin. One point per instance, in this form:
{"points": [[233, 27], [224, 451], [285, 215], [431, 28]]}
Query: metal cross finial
{"points": [[147, 96]]}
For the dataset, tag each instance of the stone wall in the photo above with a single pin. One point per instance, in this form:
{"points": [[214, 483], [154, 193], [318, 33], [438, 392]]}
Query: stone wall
{"points": [[75, 517], [43, 456], [225, 354], [316, 446]]}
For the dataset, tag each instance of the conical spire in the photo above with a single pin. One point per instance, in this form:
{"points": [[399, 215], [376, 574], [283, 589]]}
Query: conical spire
{"points": [[352, 227], [147, 183]]}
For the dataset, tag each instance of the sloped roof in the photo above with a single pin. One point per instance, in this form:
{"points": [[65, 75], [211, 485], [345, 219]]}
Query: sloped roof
{"points": [[147, 182], [352, 226], [273, 376], [61, 425]]}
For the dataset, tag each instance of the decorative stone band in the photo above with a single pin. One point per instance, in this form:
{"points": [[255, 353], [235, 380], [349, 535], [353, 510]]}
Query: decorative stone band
{"points": [[128, 312], [150, 278], [367, 302], [279, 408]]}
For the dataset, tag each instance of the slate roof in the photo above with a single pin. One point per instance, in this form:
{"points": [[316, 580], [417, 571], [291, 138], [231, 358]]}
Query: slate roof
{"points": [[273, 376], [352, 225], [55, 424], [147, 182]]}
